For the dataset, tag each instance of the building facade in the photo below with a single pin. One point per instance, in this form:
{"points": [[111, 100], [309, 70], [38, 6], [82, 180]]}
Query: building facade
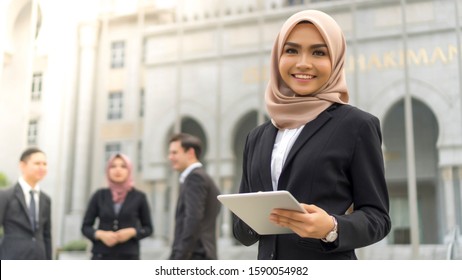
{"points": [[127, 75]]}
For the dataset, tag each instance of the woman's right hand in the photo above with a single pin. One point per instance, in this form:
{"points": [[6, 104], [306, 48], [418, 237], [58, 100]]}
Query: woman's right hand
{"points": [[314, 223], [109, 238]]}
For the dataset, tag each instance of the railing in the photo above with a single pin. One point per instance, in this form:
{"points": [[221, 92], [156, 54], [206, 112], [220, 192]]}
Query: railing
{"points": [[453, 245]]}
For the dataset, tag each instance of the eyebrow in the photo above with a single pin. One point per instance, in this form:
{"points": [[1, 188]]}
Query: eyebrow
{"points": [[315, 46]]}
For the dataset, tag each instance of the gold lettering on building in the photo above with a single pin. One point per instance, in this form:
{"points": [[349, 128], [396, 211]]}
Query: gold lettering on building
{"points": [[417, 58], [452, 52], [385, 61], [374, 62], [361, 62], [438, 55], [253, 75], [250, 75], [389, 60]]}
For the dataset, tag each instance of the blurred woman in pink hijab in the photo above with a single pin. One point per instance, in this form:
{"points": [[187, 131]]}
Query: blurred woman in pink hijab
{"points": [[123, 213]]}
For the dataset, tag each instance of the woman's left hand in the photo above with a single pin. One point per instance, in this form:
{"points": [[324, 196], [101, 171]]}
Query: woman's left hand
{"points": [[125, 234], [315, 223]]}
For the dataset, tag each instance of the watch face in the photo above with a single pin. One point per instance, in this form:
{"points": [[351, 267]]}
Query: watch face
{"points": [[332, 236]]}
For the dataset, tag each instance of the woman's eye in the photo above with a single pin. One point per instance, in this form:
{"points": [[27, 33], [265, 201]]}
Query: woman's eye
{"points": [[291, 51], [319, 53]]}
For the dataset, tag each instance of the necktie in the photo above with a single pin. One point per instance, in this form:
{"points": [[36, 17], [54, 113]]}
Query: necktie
{"points": [[33, 210]]}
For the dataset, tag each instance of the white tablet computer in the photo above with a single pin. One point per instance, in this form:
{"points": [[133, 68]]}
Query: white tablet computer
{"points": [[255, 208]]}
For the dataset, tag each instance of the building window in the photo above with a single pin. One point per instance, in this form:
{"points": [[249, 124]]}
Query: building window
{"points": [[110, 149], [294, 2], [117, 54], [32, 132], [142, 103], [36, 92], [115, 106]]}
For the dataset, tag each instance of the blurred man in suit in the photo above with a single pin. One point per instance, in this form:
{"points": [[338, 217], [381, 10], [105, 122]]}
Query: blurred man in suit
{"points": [[197, 206], [25, 212]]}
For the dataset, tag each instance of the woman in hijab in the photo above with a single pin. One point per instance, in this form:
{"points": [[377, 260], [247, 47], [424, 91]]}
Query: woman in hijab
{"points": [[123, 213], [326, 153]]}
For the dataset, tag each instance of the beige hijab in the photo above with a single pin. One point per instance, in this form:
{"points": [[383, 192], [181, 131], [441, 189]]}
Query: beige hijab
{"points": [[285, 107]]}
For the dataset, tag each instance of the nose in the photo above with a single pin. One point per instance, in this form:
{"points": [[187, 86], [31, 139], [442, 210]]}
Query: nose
{"points": [[304, 62]]}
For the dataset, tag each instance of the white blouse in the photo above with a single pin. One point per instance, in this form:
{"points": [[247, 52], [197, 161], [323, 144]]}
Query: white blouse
{"points": [[285, 139]]}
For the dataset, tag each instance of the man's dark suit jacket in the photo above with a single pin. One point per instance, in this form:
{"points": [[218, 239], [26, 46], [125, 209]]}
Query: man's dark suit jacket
{"points": [[21, 241], [336, 161], [195, 219], [134, 213]]}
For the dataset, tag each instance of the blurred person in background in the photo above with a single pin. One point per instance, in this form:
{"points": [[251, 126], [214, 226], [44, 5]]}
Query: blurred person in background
{"points": [[25, 212], [197, 207], [123, 213]]}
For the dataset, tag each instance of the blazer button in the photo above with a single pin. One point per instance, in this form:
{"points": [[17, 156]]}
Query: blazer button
{"points": [[272, 256], [115, 225], [33, 239]]}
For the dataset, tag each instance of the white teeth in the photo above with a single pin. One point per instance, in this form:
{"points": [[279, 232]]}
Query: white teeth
{"points": [[300, 76]]}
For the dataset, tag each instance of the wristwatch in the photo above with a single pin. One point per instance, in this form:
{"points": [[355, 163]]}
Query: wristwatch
{"points": [[333, 234]]}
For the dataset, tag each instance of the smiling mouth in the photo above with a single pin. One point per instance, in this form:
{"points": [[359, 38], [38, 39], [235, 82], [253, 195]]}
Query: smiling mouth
{"points": [[303, 76]]}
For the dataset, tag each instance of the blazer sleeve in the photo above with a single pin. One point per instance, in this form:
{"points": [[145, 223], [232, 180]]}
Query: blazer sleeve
{"points": [[145, 228], [241, 231], [90, 216], [369, 222], [47, 229], [4, 198]]}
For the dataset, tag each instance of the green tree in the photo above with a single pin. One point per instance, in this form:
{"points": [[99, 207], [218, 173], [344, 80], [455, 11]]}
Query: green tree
{"points": [[3, 180]]}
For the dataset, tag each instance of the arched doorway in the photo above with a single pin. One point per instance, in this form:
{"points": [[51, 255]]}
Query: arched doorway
{"points": [[426, 162], [243, 127], [191, 126]]}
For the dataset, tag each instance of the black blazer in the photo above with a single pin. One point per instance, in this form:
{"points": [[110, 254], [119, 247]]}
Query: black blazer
{"points": [[195, 218], [336, 161], [134, 212], [21, 241]]}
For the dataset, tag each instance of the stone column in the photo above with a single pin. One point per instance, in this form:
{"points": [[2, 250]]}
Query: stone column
{"points": [[226, 226], [3, 50], [160, 221], [448, 183], [155, 247], [88, 37], [460, 199], [174, 187]]}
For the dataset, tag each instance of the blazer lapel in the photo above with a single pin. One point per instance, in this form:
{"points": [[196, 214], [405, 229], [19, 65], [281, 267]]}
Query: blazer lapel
{"points": [[108, 197], [22, 200], [308, 131], [266, 149]]}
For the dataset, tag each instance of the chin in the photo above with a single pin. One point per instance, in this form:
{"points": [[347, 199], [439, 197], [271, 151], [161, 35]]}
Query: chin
{"points": [[303, 93]]}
